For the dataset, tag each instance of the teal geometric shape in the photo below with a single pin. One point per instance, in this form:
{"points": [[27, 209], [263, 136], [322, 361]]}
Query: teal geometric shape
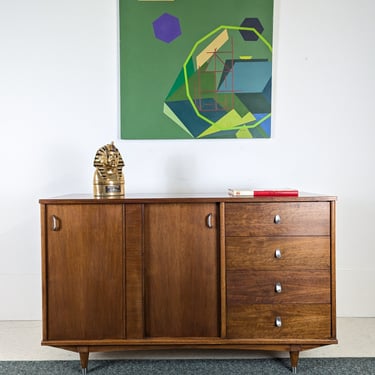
{"points": [[248, 76]]}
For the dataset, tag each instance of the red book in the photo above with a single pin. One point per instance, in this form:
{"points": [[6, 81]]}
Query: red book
{"points": [[276, 193], [264, 192]]}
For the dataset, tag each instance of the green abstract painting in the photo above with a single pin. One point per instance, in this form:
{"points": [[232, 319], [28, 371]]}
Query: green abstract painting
{"points": [[195, 69]]}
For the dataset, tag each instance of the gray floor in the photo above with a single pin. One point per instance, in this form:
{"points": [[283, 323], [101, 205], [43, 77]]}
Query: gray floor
{"points": [[20, 340], [248, 366]]}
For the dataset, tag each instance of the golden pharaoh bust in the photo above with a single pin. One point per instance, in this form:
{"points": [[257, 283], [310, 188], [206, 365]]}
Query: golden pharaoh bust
{"points": [[108, 176]]}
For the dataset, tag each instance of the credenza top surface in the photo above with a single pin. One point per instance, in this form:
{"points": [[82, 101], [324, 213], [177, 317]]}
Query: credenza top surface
{"points": [[181, 198]]}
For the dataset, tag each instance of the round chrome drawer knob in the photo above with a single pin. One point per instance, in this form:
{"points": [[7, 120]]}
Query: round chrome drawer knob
{"points": [[278, 288], [278, 322]]}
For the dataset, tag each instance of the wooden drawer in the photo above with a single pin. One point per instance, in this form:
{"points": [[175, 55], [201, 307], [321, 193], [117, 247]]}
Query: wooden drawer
{"points": [[278, 253], [246, 287], [259, 219], [297, 322]]}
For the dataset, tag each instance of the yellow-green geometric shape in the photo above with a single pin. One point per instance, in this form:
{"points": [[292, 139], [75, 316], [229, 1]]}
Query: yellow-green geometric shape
{"points": [[229, 121], [244, 132]]}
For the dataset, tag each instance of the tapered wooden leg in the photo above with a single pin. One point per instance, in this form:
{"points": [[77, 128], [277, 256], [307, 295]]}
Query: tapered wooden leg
{"points": [[294, 356], [84, 359]]}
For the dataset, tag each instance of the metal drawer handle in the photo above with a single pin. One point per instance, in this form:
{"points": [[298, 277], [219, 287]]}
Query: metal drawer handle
{"points": [[278, 322], [278, 253], [278, 288], [277, 219]]}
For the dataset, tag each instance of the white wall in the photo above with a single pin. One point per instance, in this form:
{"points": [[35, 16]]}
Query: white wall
{"points": [[59, 104]]}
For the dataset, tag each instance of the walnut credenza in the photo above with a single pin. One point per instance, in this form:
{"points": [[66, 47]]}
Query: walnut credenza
{"points": [[188, 271]]}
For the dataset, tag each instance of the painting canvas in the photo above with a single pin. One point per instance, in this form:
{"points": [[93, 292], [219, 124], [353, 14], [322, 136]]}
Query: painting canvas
{"points": [[195, 69]]}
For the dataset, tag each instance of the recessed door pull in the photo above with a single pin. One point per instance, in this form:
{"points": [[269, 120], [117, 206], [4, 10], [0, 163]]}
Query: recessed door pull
{"points": [[209, 220], [55, 223]]}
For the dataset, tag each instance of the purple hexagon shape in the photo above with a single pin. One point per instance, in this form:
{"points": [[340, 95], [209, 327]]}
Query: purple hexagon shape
{"points": [[167, 27]]}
